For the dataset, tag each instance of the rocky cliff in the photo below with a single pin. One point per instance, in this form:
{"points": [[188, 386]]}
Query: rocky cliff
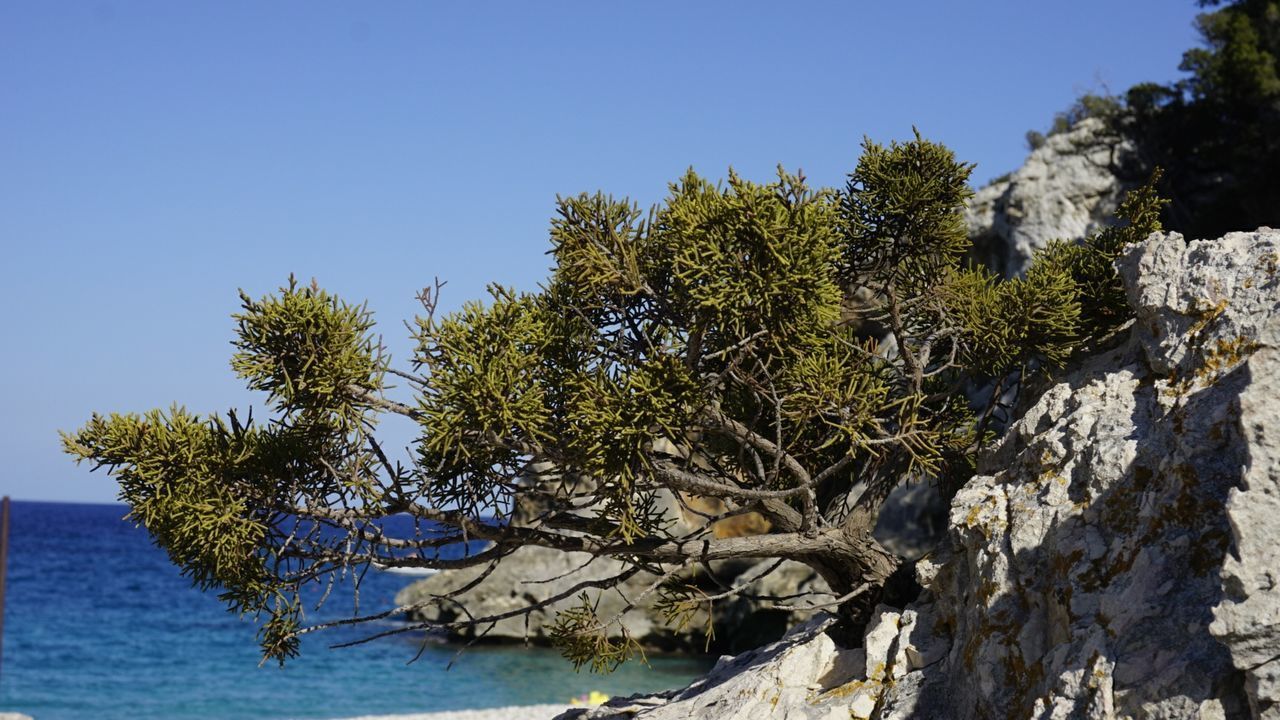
{"points": [[1115, 557], [1068, 188]]}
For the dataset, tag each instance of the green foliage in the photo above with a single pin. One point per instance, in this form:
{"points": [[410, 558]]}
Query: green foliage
{"points": [[1009, 323], [771, 345], [180, 477], [308, 351], [581, 637], [748, 258], [1239, 64], [1091, 264], [679, 603], [903, 228], [484, 365], [1071, 294], [278, 636], [841, 385], [198, 487], [213, 492], [1089, 105], [1216, 133]]}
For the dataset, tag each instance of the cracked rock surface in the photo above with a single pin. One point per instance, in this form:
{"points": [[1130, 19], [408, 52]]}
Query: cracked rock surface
{"points": [[1118, 554]]}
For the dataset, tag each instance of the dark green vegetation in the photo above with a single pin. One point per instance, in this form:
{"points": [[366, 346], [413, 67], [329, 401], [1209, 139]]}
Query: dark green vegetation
{"points": [[786, 351], [1217, 131]]}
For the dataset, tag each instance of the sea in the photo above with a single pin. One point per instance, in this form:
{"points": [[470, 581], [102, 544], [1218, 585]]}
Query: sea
{"points": [[99, 624]]}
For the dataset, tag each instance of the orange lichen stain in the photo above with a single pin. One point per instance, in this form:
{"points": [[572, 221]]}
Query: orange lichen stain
{"points": [[1218, 360], [1225, 355], [1207, 315], [972, 517], [846, 690]]}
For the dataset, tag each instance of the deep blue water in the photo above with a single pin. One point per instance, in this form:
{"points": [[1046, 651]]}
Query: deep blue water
{"points": [[99, 624]]}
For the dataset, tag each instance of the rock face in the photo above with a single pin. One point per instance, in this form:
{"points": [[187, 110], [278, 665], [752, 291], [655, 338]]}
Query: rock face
{"points": [[1118, 555], [533, 575], [803, 676], [912, 520], [1067, 188], [1083, 572], [529, 575]]}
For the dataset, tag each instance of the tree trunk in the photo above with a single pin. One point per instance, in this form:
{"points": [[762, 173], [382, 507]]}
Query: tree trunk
{"points": [[851, 558], [849, 563]]}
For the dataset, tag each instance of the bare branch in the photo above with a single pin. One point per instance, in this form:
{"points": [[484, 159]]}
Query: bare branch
{"points": [[735, 430]]}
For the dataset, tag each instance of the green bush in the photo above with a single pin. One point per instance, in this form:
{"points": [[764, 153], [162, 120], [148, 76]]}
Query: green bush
{"points": [[714, 347]]}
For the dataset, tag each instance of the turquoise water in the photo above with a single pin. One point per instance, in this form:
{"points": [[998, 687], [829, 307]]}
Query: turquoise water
{"points": [[98, 624]]}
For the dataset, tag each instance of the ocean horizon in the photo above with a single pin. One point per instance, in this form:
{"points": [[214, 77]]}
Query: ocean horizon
{"points": [[99, 623]]}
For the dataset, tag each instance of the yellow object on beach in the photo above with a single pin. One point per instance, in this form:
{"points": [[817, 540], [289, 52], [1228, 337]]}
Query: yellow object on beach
{"points": [[591, 699]]}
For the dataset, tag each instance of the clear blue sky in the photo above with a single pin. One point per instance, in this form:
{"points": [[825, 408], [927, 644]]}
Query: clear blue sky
{"points": [[156, 156]]}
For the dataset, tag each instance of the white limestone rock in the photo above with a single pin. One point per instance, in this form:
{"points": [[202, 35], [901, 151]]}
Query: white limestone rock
{"points": [[1117, 558], [529, 575], [804, 676], [1067, 189], [746, 622], [533, 574]]}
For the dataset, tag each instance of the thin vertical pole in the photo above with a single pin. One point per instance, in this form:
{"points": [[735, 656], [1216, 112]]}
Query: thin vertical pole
{"points": [[4, 562]]}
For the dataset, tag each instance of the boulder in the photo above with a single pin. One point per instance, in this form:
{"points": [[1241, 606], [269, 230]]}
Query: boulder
{"points": [[750, 620], [1067, 188], [532, 575], [528, 576], [1115, 556], [913, 519]]}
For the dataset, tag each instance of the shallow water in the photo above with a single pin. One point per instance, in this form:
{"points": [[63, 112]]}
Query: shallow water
{"points": [[99, 624]]}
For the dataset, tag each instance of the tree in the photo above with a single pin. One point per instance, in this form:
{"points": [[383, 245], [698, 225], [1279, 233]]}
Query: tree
{"points": [[1216, 130], [791, 352]]}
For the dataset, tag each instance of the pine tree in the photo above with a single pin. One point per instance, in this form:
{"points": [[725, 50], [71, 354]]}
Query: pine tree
{"points": [[1217, 131]]}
